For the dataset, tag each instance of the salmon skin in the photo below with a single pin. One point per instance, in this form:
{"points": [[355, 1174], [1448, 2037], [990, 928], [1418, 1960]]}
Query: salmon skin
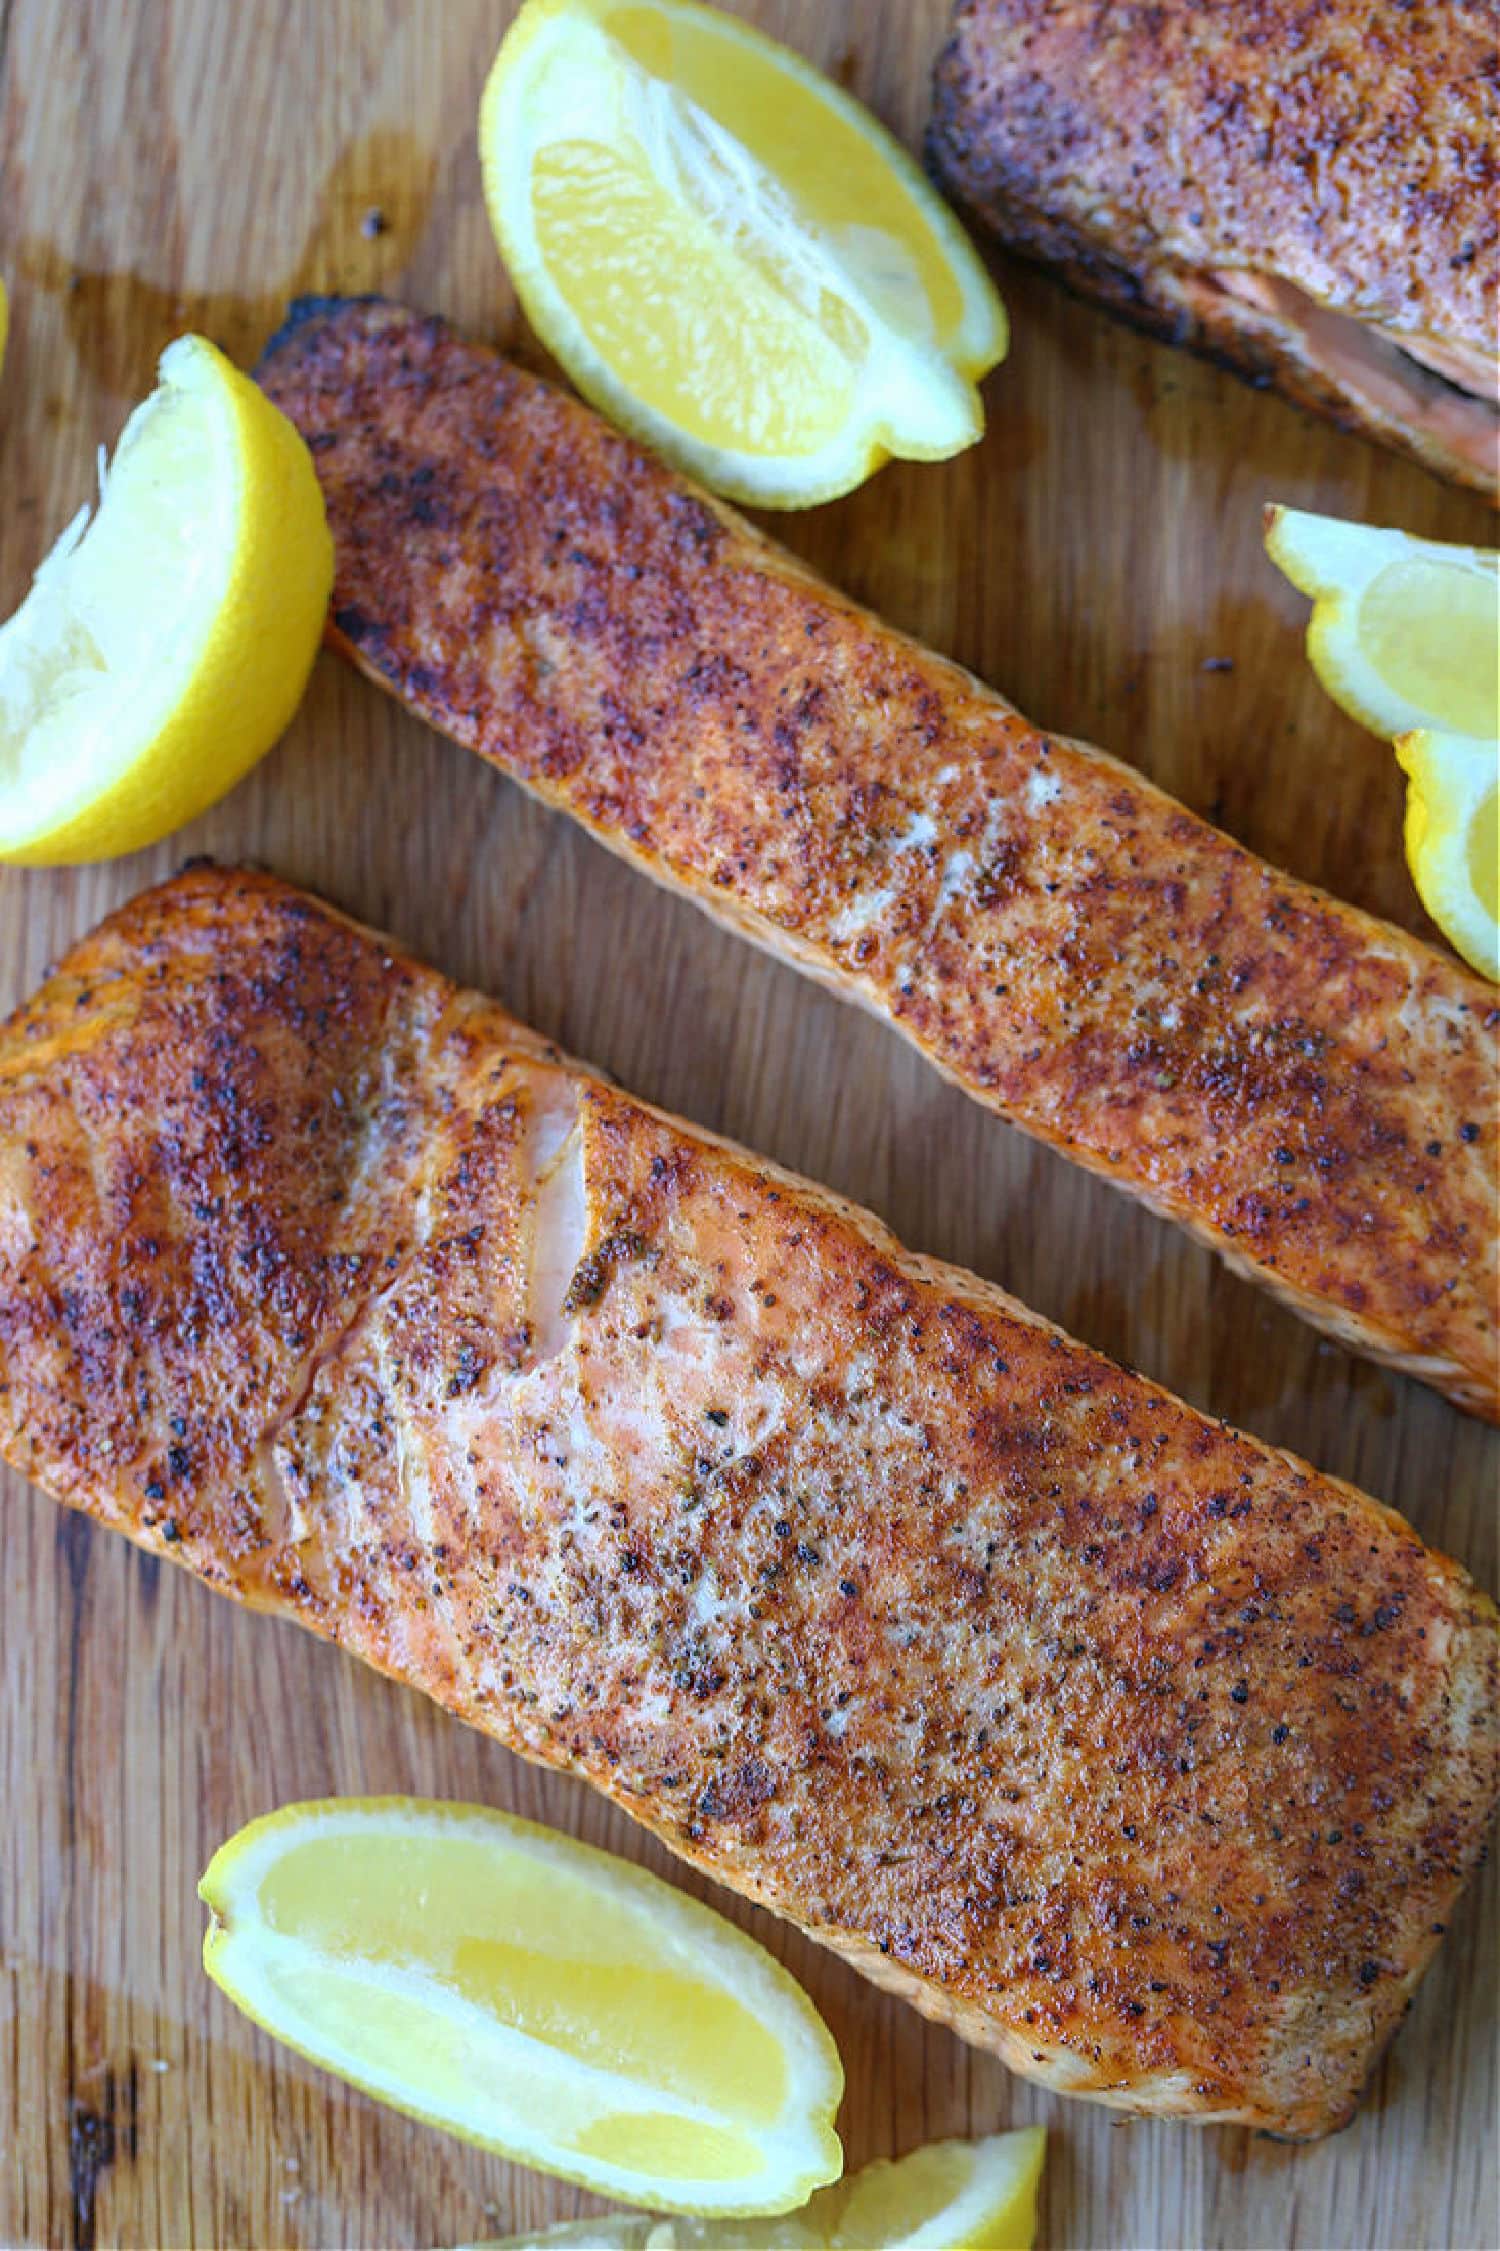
{"points": [[1129, 1747], [1309, 1090], [1306, 190]]}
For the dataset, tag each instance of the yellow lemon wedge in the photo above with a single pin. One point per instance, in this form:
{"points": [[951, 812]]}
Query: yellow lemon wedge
{"points": [[950, 2196], [531, 1994], [165, 644], [1405, 636], [1453, 838], [1405, 633], [970, 2196], [727, 253]]}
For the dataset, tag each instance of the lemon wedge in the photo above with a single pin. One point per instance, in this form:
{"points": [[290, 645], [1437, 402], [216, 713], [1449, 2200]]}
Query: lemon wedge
{"points": [[164, 646], [531, 1994], [727, 253], [1405, 636], [950, 2196], [1405, 633]]}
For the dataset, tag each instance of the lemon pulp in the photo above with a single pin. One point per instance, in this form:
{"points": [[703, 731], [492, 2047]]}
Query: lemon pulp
{"points": [[1432, 634], [596, 225], [570, 1978]]}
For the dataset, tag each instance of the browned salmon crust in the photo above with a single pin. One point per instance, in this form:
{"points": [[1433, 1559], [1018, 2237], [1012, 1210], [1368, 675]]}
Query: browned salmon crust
{"points": [[1128, 1746], [1311, 1091], [1306, 189]]}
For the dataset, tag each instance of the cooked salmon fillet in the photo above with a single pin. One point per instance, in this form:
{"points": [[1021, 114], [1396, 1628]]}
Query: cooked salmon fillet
{"points": [[1306, 189], [1311, 1091], [1127, 1746]]}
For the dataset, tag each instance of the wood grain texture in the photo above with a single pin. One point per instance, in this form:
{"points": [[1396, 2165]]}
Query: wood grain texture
{"points": [[185, 163]]}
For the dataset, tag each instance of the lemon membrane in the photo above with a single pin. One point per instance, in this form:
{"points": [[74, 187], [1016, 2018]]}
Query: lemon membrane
{"points": [[168, 636], [531, 1994]]}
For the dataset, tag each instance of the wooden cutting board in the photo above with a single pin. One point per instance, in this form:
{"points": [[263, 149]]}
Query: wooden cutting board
{"points": [[172, 164]]}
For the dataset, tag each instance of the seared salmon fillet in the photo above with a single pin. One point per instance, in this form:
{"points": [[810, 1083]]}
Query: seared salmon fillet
{"points": [[1311, 1091], [1127, 1746], [1306, 189]]}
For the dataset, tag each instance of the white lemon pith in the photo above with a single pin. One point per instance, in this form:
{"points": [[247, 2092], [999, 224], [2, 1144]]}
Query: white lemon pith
{"points": [[165, 644], [950, 2196], [1405, 636], [531, 1994], [727, 253]]}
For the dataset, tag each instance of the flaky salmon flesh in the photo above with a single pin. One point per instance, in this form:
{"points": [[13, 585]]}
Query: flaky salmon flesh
{"points": [[1311, 1091], [1308, 190], [1127, 1746]]}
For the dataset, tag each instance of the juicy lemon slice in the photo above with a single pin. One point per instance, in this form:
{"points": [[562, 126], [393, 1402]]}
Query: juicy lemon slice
{"points": [[1405, 633], [727, 253], [164, 646], [950, 2196], [531, 1994], [1453, 838]]}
